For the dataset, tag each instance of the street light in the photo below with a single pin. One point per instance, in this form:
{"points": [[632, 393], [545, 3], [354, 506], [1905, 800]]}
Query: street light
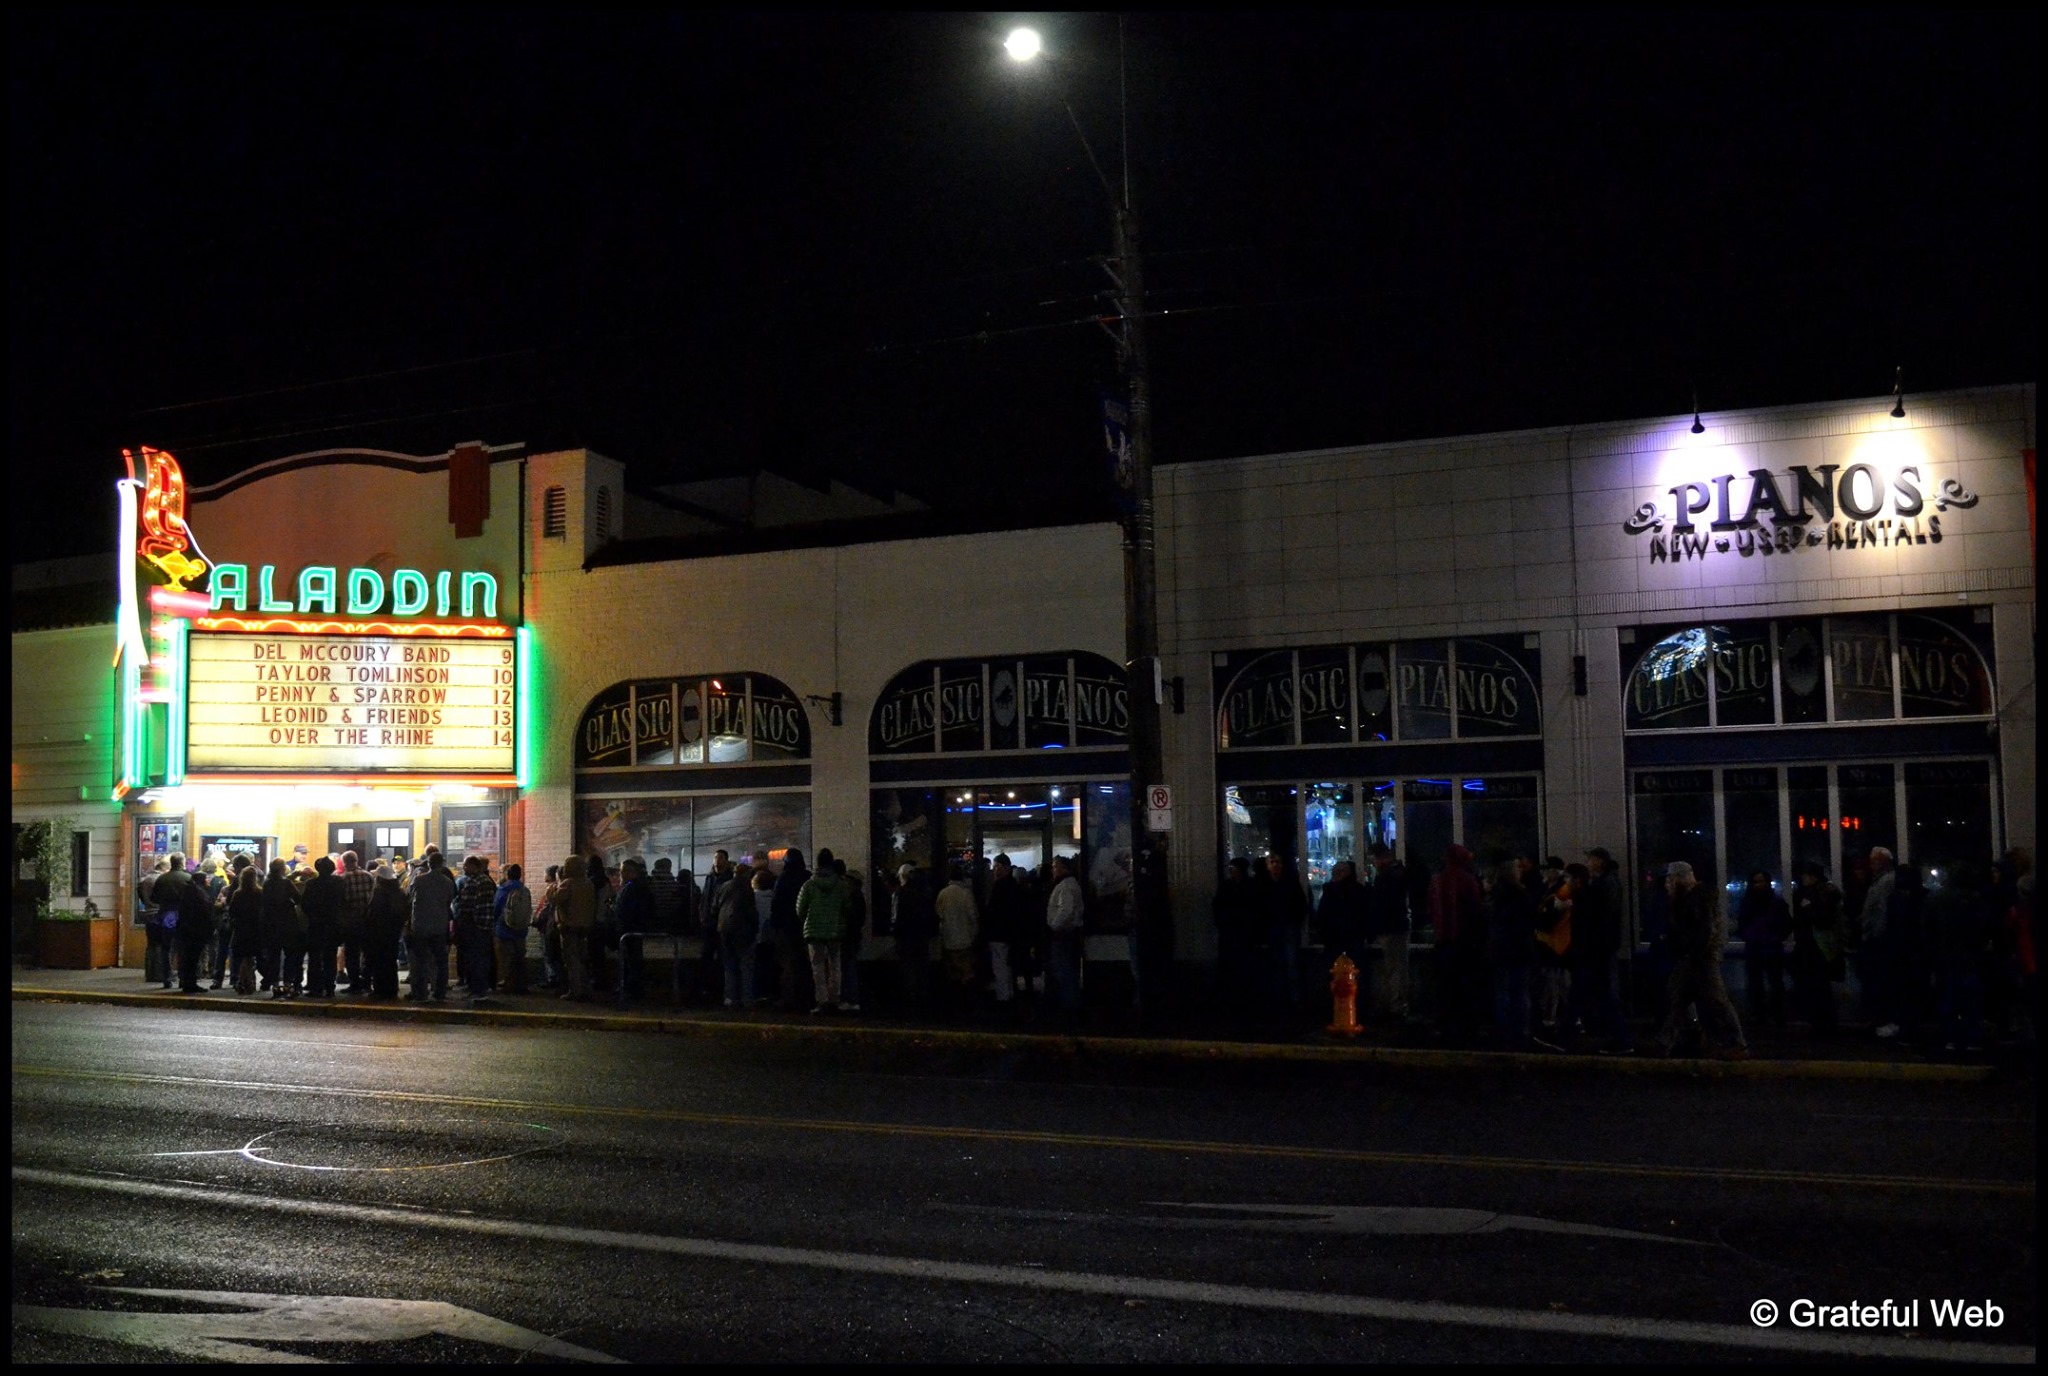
{"points": [[1141, 626]]}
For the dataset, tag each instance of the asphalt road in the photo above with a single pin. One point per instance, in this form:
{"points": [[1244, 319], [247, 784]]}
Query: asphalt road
{"points": [[483, 1193]]}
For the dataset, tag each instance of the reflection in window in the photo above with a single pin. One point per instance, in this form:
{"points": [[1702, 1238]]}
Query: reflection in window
{"points": [[1323, 696], [1869, 815], [1259, 818], [1948, 815], [1668, 689], [1742, 674], [1940, 673], [1802, 670], [1327, 832], [1860, 654], [1750, 804], [1501, 818]]}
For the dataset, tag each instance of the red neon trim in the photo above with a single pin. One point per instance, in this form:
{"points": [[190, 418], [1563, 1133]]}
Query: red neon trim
{"points": [[180, 604], [482, 630], [360, 780]]}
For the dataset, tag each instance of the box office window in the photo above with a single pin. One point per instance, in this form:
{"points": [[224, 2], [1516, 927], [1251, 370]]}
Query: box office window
{"points": [[1469, 688], [1815, 670]]}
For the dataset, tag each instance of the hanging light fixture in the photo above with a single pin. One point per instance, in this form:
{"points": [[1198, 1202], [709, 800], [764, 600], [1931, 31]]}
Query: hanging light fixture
{"points": [[1899, 393], [1697, 428]]}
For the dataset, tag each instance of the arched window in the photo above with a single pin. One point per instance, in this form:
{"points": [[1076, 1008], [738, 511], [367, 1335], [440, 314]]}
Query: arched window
{"points": [[708, 719]]}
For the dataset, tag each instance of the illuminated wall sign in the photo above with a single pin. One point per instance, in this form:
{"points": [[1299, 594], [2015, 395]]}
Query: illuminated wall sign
{"points": [[1807, 506], [358, 592], [351, 704]]}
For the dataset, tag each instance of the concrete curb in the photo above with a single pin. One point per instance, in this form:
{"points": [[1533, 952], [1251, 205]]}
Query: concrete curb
{"points": [[1137, 1048]]}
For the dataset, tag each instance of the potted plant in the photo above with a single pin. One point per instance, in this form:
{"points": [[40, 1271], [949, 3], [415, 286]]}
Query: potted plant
{"points": [[65, 940]]}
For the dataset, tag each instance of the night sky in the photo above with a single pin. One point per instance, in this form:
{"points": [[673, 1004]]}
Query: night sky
{"points": [[863, 245]]}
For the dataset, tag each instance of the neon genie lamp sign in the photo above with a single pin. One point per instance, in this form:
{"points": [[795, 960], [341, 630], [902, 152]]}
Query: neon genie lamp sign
{"points": [[1807, 506]]}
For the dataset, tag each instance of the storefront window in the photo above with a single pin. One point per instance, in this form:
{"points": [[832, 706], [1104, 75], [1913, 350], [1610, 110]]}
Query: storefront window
{"points": [[1258, 703], [686, 830], [1860, 655], [1750, 804], [1259, 818], [1375, 705], [1426, 818], [1668, 690], [695, 721], [1324, 696], [654, 722], [1501, 818], [1802, 670], [1107, 820], [1048, 706], [1378, 824], [1948, 815], [1742, 674], [1940, 673], [1869, 815], [1675, 821], [1422, 689], [1496, 692], [1806, 798], [1327, 832]]}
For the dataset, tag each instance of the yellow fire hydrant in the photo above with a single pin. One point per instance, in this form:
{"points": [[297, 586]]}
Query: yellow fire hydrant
{"points": [[1344, 998]]}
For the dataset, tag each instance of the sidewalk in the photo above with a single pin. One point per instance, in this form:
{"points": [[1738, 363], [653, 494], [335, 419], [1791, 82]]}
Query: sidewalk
{"points": [[1849, 1055]]}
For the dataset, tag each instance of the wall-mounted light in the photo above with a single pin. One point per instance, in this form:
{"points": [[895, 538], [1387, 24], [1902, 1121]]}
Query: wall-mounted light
{"points": [[1697, 427], [1899, 393], [834, 705]]}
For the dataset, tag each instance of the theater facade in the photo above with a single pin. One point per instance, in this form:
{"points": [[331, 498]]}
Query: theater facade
{"points": [[1745, 641]]}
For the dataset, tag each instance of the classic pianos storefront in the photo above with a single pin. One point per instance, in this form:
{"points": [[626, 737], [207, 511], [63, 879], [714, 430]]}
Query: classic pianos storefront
{"points": [[270, 700]]}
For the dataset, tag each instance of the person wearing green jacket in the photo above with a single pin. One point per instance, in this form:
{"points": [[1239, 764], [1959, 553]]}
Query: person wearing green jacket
{"points": [[821, 905]]}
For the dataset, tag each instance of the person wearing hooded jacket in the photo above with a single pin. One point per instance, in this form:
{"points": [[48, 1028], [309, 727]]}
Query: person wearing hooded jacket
{"points": [[821, 906], [792, 969]]}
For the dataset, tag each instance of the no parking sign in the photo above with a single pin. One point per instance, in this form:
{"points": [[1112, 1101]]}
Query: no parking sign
{"points": [[1158, 808]]}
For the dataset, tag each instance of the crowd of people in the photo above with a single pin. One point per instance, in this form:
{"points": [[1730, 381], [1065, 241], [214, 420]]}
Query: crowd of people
{"points": [[1523, 954], [1529, 955]]}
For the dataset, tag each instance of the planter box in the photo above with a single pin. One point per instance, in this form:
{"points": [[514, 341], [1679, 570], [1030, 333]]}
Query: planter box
{"points": [[86, 945]]}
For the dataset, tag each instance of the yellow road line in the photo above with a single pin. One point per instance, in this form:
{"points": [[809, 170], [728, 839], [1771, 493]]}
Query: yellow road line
{"points": [[1027, 1137]]}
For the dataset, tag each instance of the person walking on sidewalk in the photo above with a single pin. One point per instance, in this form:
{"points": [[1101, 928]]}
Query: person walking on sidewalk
{"points": [[1698, 939]]}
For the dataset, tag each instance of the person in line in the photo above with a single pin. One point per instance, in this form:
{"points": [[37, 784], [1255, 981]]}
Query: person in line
{"points": [[1457, 917], [550, 933], [1550, 994], [284, 932], [1341, 918], [850, 944], [1816, 946], [1063, 910], [1963, 922], [188, 914], [737, 923], [1511, 951], [792, 967], [1386, 935], [1006, 929], [476, 949], [1872, 939], [358, 886], [959, 927], [1905, 954], [1698, 940], [157, 957], [1765, 924], [433, 918], [576, 917], [604, 932], [323, 897], [1594, 956], [383, 924], [916, 926], [1235, 911], [821, 909], [213, 879], [636, 914], [245, 918], [1283, 911], [511, 917]]}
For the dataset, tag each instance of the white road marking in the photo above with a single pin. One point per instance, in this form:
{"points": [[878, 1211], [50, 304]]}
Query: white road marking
{"points": [[281, 1041], [1356, 1220], [288, 1319], [1746, 1336]]}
